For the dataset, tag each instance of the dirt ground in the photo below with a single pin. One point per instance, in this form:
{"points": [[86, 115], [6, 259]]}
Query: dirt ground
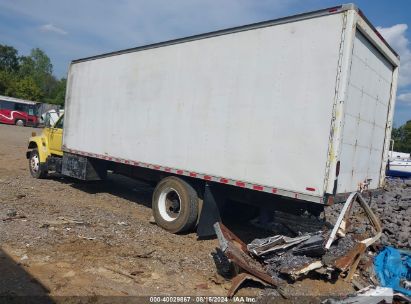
{"points": [[93, 239]]}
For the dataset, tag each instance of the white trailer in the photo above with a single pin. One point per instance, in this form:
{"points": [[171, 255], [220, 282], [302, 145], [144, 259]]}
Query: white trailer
{"points": [[298, 107]]}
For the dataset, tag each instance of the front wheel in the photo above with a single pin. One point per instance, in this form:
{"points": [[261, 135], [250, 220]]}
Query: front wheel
{"points": [[37, 169], [175, 205]]}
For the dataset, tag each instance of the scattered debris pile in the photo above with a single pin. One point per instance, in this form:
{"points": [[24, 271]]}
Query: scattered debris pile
{"points": [[280, 258], [331, 253], [393, 207], [393, 267]]}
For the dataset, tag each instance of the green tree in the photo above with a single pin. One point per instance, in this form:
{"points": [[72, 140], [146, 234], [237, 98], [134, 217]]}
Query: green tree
{"points": [[26, 88], [402, 138], [30, 77], [57, 93], [26, 66], [39, 67], [8, 58], [6, 81]]}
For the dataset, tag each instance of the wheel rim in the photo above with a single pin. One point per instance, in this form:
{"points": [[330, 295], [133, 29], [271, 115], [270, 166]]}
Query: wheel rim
{"points": [[34, 163], [19, 123], [169, 204]]}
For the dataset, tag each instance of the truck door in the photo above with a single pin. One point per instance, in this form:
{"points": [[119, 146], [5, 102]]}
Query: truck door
{"points": [[56, 137], [366, 115]]}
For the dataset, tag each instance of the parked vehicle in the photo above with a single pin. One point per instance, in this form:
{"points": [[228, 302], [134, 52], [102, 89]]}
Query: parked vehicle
{"points": [[290, 113], [50, 117], [399, 163], [14, 111], [399, 167], [46, 107], [398, 155]]}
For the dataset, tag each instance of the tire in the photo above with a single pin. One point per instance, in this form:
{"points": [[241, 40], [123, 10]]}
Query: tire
{"points": [[37, 169], [20, 122], [175, 205]]}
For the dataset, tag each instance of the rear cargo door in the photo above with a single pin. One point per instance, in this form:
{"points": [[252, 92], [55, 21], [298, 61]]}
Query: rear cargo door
{"points": [[365, 116]]}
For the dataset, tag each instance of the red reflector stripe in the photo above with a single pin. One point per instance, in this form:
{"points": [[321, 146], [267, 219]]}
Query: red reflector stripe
{"points": [[240, 184], [205, 177], [333, 9]]}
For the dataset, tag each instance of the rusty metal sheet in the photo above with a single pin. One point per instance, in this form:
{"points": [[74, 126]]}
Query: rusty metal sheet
{"points": [[344, 262], [260, 247], [240, 279], [237, 252]]}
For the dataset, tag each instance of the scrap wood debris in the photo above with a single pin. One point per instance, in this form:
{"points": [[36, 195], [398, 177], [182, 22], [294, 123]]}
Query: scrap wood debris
{"points": [[61, 220]]}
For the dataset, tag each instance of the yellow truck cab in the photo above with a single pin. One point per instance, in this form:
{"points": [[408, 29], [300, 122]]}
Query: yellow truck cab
{"points": [[45, 150]]}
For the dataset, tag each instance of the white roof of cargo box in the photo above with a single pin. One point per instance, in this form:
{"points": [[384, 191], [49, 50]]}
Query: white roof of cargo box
{"points": [[293, 18]]}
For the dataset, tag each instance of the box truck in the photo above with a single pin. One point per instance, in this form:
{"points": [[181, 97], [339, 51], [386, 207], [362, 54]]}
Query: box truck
{"points": [[286, 113]]}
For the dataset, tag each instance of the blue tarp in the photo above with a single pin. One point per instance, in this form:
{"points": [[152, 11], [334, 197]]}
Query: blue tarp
{"points": [[393, 267]]}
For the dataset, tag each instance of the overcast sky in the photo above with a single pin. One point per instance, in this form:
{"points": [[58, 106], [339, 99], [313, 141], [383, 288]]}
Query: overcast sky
{"points": [[73, 29]]}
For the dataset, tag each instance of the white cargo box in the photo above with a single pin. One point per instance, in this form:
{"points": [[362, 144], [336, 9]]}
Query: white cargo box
{"points": [[275, 106]]}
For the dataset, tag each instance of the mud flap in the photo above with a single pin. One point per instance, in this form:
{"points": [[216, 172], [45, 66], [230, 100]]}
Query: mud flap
{"points": [[210, 214], [81, 167]]}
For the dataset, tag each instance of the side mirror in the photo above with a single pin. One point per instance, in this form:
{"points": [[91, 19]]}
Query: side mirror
{"points": [[47, 121]]}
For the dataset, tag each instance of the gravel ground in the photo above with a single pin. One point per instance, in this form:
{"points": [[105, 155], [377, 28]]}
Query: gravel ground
{"points": [[392, 206], [86, 239], [394, 209], [77, 238]]}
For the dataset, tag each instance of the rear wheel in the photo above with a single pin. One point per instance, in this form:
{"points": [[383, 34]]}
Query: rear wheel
{"points": [[37, 169], [20, 122], [175, 205]]}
